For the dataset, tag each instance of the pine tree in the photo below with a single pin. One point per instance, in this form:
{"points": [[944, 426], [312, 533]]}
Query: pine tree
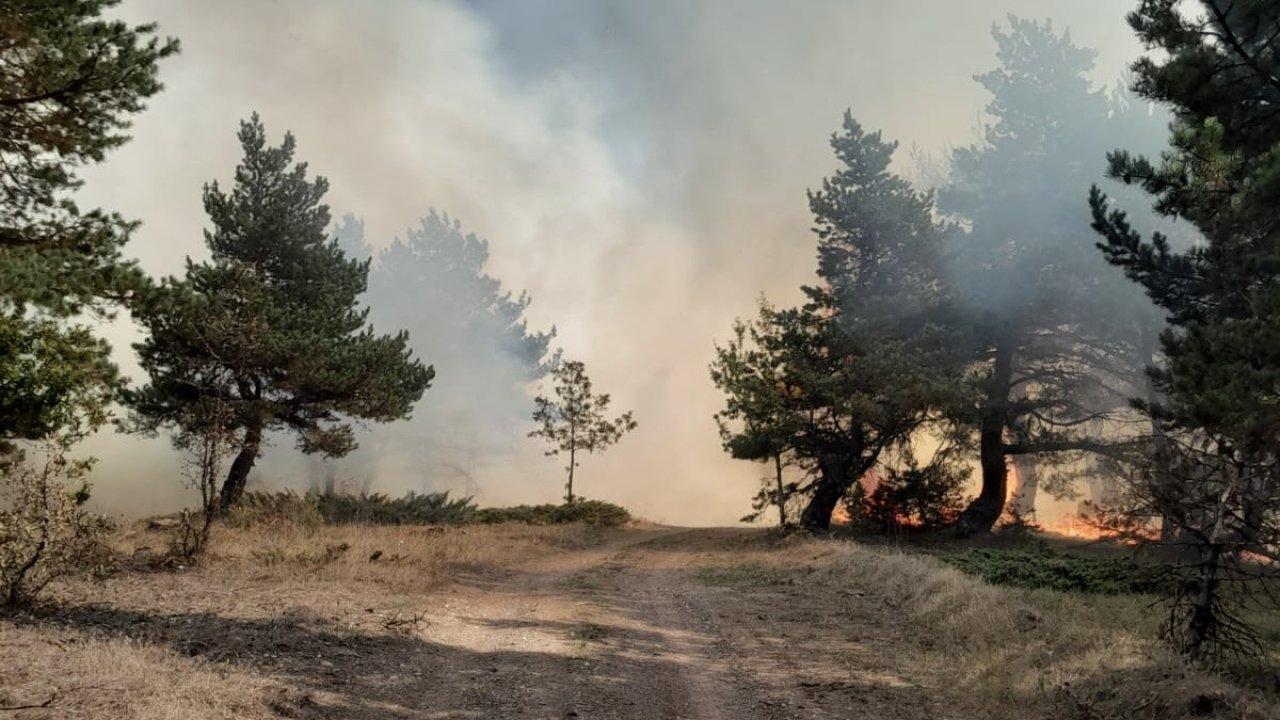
{"points": [[862, 367], [1051, 329], [69, 83], [435, 283], [1219, 70], [575, 420], [270, 327]]}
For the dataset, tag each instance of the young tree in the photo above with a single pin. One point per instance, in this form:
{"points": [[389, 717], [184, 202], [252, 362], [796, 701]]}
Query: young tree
{"points": [[69, 83], [1220, 373], [575, 420], [759, 422], [270, 327], [1051, 330]]}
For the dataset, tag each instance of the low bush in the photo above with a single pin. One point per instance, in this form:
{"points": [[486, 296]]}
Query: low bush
{"points": [[589, 512], [1040, 567], [45, 531], [338, 509], [412, 509]]}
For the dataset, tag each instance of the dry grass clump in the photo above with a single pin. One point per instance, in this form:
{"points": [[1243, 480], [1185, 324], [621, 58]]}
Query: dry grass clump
{"points": [[56, 673]]}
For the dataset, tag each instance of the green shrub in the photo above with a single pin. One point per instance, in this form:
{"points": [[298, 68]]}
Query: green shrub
{"points": [[412, 509], [336, 509], [311, 509], [590, 512], [1040, 567]]}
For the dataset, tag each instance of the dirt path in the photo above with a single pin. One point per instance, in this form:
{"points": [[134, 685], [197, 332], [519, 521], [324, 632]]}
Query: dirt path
{"points": [[634, 630], [715, 624]]}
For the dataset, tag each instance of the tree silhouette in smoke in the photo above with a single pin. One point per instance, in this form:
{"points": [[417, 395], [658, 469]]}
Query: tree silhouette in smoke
{"points": [[435, 284]]}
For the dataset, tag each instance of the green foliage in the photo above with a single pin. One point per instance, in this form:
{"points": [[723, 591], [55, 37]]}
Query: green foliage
{"points": [[45, 531], [71, 81], [270, 327], [575, 420], [340, 509], [69, 85], [1039, 567], [1052, 332], [589, 512], [1220, 486], [412, 509], [53, 378], [843, 383]]}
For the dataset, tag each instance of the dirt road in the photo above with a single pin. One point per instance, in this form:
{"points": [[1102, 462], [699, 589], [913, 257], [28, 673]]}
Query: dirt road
{"points": [[643, 627]]}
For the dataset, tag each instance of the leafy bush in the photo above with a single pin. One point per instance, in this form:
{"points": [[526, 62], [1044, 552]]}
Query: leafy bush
{"points": [[590, 512], [45, 532], [1039, 566]]}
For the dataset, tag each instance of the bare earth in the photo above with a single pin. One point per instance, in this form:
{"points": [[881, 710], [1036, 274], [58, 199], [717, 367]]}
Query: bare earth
{"points": [[634, 624]]}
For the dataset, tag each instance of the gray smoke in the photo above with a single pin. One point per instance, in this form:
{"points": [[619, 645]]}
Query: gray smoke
{"points": [[640, 168]]}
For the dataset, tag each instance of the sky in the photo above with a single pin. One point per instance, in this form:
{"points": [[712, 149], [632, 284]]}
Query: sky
{"points": [[639, 167]]}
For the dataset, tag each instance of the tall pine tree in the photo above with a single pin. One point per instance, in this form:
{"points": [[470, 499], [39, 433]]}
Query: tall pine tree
{"points": [[863, 366], [270, 327], [435, 282], [1051, 329], [70, 82], [1219, 71]]}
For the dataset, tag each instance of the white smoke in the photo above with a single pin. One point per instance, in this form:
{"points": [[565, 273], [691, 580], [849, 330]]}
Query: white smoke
{"points": [[639, 167]]}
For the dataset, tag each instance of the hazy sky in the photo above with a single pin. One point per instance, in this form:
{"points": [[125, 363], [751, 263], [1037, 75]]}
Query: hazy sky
{"points": [[639, 167]]}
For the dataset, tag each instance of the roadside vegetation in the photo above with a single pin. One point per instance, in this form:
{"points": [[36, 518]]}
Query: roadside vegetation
{"points": [[1090, 649], [412, 509]]}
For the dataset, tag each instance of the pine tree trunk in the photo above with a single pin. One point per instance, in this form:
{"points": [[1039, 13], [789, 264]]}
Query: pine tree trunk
{"points": [[238, 476], [1202, 610], [984, 511], [832, 484], [781, 496]]}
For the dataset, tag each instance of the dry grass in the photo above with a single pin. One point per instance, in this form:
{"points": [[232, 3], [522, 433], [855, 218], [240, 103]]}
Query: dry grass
{"points": [[281, 621], [230, 638], [1003, 653]]}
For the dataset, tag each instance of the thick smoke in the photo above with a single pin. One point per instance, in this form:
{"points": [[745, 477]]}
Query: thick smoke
{"points": [[639, 167]]}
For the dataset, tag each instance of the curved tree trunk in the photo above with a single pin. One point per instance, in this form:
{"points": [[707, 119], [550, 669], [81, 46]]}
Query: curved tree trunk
{"points": [[238, 476], [984, 511], [832, 484]]}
